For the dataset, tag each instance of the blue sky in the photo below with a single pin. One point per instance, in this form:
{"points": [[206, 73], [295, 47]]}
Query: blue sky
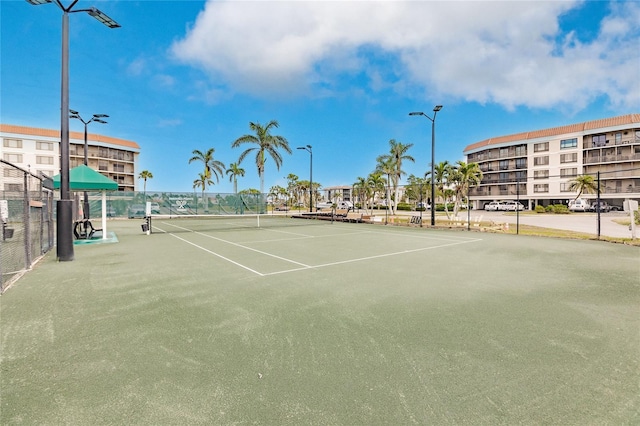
{"points": [[340, 76]]}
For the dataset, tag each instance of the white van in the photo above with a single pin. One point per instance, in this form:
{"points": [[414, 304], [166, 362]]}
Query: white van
{"points": [[579, 205]]}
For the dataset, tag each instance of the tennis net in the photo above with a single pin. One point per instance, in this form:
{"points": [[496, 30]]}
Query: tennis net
{"points": [[201, 223]]}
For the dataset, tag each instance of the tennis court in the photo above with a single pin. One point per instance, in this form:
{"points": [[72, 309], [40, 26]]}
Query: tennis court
{"points": [[313, 322]]}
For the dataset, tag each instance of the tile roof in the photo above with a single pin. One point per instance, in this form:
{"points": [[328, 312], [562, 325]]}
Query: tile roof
{"points": [[34, 131], [554, 131]]}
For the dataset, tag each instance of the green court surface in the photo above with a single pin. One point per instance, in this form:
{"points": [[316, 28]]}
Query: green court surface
{"points": [[325, 324]]}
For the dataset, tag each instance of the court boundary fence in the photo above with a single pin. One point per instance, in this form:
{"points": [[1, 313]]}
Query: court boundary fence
{"points": [[26, 216]]}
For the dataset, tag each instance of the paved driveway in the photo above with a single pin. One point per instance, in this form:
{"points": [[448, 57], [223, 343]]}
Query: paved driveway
{"points": [[579, 222]]}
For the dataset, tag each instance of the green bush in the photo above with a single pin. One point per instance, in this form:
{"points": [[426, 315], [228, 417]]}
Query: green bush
{"points": [[636, 215], [540, 209], [549, 208], [560, 209], [404, 206], [440, 207]]}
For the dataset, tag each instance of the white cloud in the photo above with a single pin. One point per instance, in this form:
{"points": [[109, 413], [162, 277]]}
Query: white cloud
{"points": [[510, 53]]}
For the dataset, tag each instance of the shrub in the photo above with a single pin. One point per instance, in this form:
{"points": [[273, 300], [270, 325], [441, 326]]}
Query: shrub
{"points": [[404, 206], [560, 209], [636, 216], [540, 209], [549, 208]]}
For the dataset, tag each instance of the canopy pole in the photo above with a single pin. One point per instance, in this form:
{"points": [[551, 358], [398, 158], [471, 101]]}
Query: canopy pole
{"points": [[104, 215]]}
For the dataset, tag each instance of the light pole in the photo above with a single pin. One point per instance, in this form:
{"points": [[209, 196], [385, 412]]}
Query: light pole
{"points": [[97, 118], [310, 151], [64, 209], [433, 157]]}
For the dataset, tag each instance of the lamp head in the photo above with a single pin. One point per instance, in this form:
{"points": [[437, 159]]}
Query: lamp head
{"points": [[437, 108], [97, 120], [73, 112], [416, 113], [100, 116], [38, 2]]}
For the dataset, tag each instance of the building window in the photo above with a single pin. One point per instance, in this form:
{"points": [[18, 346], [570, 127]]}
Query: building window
{"points": [[504, 177], [569, 143], [599, 140], [569, 158], [541, 174], [103, 166], [42, 159], [44, 146], [15, 187], [541, 187], [541, 161], [118, 168], [504, 164], [618, 138], [504, 152], [103, 152], [564, 187], [569, 172], [521, 175], [521, 150], [521, 163], [12, 158], [12, 143], [12, 173], [541, 147]]}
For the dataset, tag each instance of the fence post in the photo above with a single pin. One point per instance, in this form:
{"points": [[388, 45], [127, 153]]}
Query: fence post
{"points": [[27, 221]]}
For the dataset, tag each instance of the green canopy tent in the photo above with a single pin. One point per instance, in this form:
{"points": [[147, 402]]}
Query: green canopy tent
{"points": [[83, 178]]}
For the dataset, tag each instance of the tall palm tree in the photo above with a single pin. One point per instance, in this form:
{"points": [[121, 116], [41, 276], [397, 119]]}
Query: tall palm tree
{"points": [[376, 183], [398, 151], [234, 171], [203, 180], [442, 172], [584, 183], [463, 176], [145, 174], [363, 191], [387, 166], [212, 167], [265, 143]]}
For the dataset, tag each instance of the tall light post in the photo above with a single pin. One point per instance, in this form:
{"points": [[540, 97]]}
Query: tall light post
{"points": [[64, 209], [97, 118], [310, 151], [433, 159]]}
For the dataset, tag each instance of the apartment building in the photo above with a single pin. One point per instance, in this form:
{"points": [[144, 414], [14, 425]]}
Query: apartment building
{"points": [[38, 151], [537, 167]]}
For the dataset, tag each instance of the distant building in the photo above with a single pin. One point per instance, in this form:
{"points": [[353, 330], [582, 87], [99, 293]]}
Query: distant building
{"points": [[38, 150], [537, 166]]}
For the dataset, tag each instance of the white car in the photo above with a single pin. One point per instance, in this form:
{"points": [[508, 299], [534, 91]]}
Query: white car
{"points": [[512, 206], [494, 206], [579, 205]]}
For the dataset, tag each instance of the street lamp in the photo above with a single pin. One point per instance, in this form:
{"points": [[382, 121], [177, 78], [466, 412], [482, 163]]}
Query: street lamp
{"points": [[310, 151], [64, 220], [433, 156], [97, 118]]}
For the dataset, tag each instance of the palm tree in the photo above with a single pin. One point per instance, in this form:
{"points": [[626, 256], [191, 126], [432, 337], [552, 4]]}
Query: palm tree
{"points": [[212, 167], [386, 166], [234, 171], [203, 180], [463, 176], [376, 183], [417, 188], [584, 183], [398, 151], [363, 190], [265, 143], [145, 174], [442, 171]]}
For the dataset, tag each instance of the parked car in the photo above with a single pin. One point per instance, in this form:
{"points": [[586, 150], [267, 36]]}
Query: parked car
{"points": [[579, 205], [494, 206], [604, 207], [512, 206], [136, 211]]}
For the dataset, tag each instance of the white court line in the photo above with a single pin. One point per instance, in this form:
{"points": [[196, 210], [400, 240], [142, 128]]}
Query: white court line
{"points": [[216, 254], [242, 246], [304, 266], [371, 257]]}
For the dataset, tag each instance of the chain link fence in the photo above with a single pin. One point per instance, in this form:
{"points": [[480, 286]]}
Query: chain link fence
{"points": [[26, 216]]}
